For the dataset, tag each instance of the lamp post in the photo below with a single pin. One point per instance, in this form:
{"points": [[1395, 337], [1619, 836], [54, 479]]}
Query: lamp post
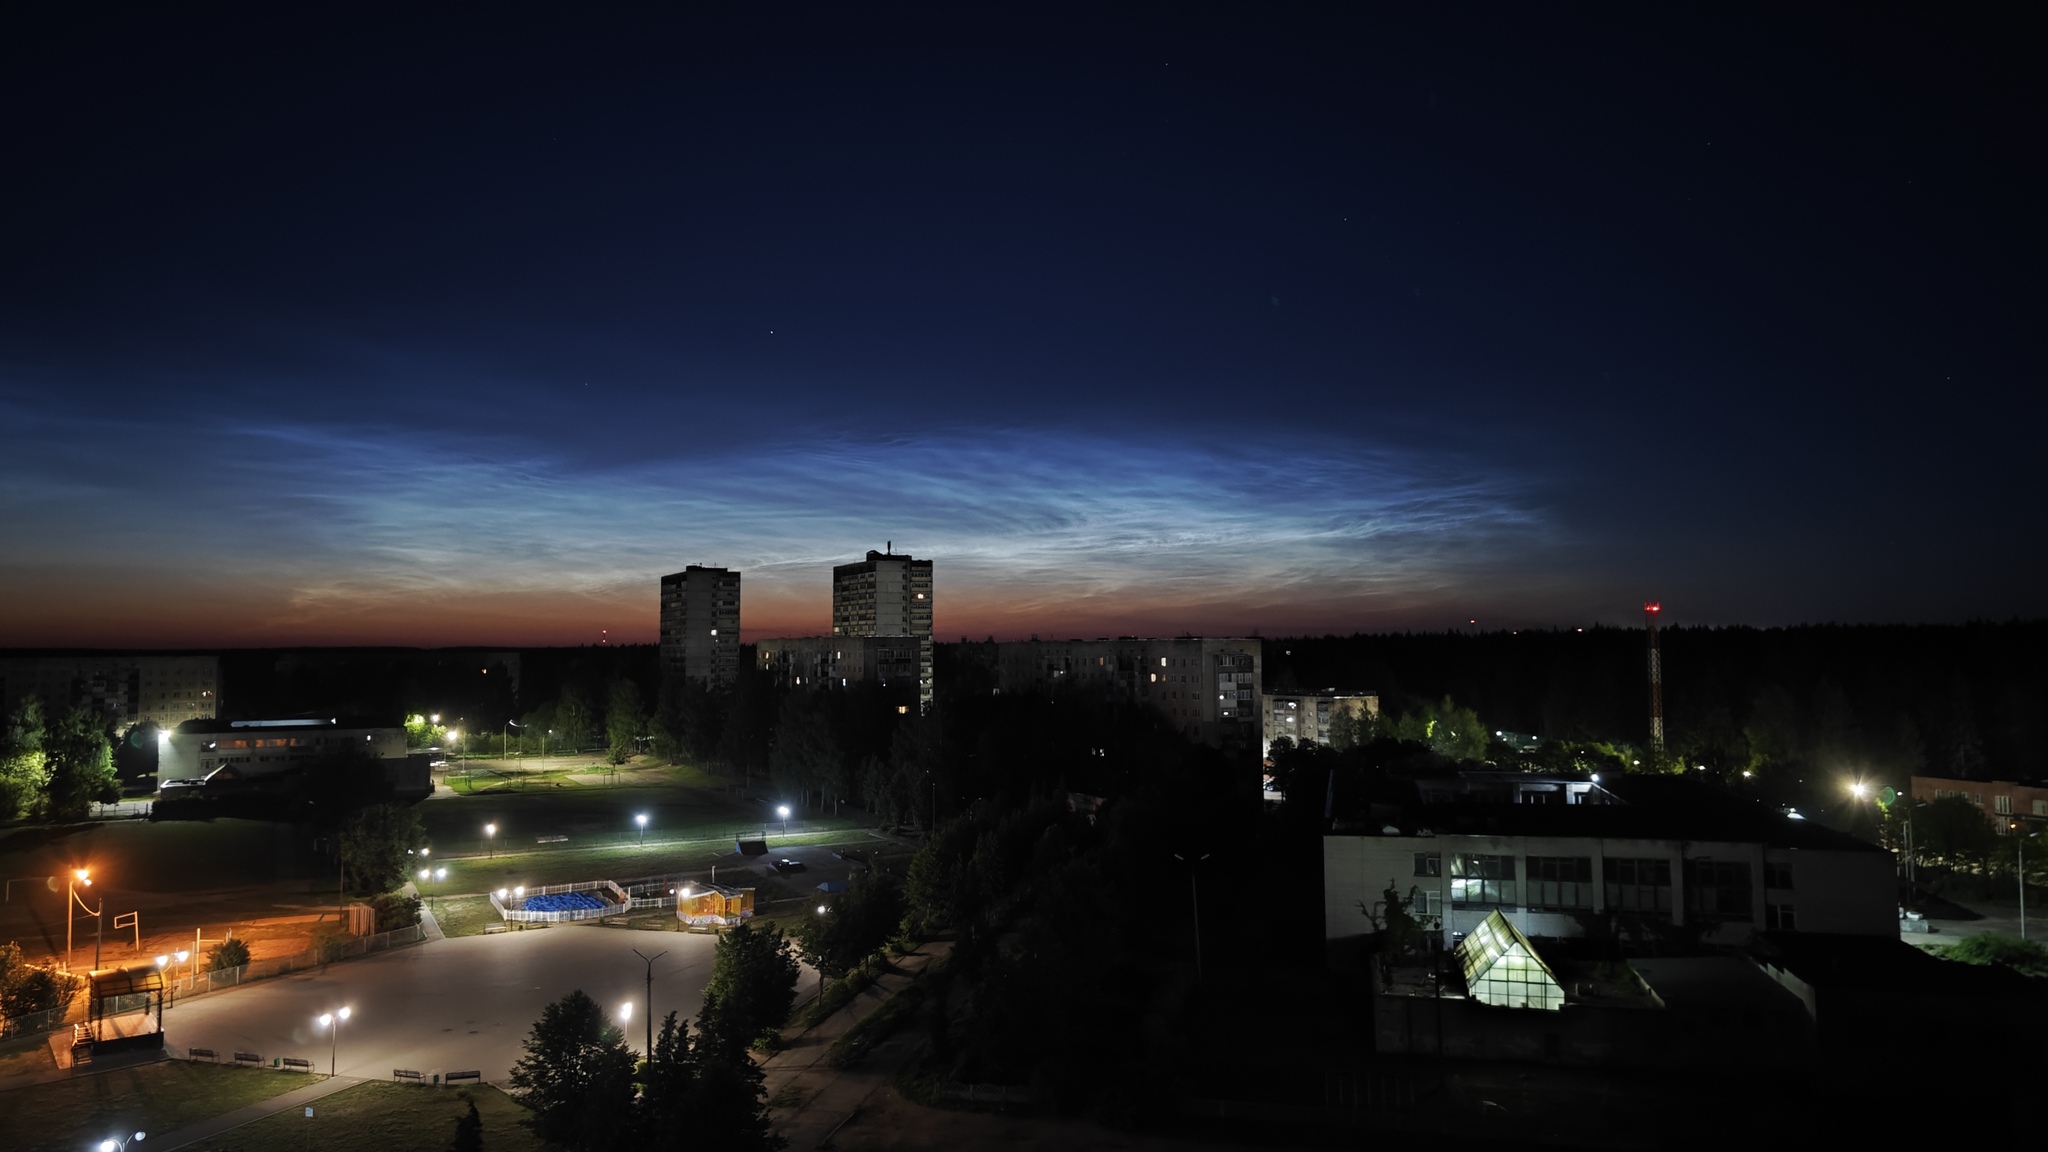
{"points": [[783, 811], [641, 820], [1195, 898], [545, 733], [75, 904], [506, 732], [333, 1020], [491, 841], [2015, 826], [650, 995]]}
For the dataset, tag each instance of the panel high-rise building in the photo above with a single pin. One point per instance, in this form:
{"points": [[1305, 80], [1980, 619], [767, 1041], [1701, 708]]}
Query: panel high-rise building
{"points": [[887, 595], [700, 624]]}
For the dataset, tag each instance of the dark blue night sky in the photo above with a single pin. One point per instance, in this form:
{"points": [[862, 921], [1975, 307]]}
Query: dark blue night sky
{"points": [[465, 327]]}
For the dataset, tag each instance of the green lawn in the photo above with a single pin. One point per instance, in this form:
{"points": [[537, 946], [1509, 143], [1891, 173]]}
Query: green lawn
{"points": [[465, 915], [67, 1115], [570, 863], [383, 1117], [26, 1055]]}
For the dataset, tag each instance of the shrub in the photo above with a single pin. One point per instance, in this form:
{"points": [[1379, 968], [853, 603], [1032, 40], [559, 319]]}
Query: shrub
{"points": [[229, 953]]}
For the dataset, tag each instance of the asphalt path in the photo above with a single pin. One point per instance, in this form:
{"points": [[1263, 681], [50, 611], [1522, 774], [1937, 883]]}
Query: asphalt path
{"points": [[447, 1005]]}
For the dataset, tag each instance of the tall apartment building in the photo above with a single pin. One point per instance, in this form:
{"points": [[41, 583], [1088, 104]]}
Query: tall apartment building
{"points": [[1207, 686], [887, 595], [1304, 717], [126, 688], [700, 624]]}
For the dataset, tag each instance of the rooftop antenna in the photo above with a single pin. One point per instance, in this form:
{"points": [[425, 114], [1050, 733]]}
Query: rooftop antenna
{"points": [[1650, 610]]}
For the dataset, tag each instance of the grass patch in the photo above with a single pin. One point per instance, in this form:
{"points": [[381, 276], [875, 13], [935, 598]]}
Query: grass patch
{"points": [[837, 994], [379, 1117], [157, 1098], [570, 863], [26, 1056], [874, 1028], [465, 915]]}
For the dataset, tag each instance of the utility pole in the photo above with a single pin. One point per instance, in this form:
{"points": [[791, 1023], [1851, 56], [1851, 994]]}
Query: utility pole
{"points": [[650, 995], [1195, 895]]}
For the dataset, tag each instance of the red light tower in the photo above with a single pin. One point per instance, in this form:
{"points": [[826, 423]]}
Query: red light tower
{"points": [[1650, 610]]}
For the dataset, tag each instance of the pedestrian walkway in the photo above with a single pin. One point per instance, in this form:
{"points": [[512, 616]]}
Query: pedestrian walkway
{"points": [[823, 1098], [228, 1122]]}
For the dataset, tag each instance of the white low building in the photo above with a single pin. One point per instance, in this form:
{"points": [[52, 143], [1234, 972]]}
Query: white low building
{"points": [[197, 748], [1557, 855]]}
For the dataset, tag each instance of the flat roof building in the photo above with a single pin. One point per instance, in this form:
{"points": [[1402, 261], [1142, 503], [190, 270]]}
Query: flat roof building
{"points": [[131, 688], [888, 595], [1207, 687], [840, 661], [700, 624], [1305, 717], [1555, 853]]}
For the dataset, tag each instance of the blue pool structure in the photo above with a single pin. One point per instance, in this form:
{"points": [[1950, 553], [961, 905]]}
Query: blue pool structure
{"points": [[563, 902]]}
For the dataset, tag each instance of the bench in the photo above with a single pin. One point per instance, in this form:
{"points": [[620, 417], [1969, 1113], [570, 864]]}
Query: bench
{"points": [[248, 1058], [295, 1062], [406, 1074], [452, 1077], [202, 1054]]}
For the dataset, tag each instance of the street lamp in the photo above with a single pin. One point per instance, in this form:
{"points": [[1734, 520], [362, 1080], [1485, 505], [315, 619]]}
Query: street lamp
{"points": [[119, 1143], [2015, 826], [650, 995], [490, 840], [75, 904], [783, 812], [183, 956], [506, 752], [333, 1019], [641, 820], [1195, 896]]}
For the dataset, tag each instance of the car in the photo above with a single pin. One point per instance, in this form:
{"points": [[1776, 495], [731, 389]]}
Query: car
{"points": [[787, 865], [180, 787]]}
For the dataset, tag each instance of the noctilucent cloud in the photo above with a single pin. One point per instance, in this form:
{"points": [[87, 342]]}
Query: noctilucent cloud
{"points": [[1243, 320]]}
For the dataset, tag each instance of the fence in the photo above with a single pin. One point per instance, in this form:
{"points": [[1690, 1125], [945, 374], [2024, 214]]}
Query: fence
{"points": [[614, 900], [56, 1018], [279, 966]]}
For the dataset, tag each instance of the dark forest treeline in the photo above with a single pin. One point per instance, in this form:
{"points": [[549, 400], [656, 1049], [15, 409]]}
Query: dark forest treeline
{"points": [[1965, 700]]}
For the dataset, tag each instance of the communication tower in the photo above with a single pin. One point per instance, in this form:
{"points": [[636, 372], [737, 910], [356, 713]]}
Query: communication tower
{"points": [[1650, 610]]}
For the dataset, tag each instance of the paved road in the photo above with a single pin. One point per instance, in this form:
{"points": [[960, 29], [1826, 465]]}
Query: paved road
{"points": [[447, 1005]]}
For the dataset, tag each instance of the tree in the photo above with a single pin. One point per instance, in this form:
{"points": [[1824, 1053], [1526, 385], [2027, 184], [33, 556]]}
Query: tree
{"points": [[26, 989], [853, 926], [577, 1075], [752, 988], [727, 1110], [469, 1132], [229, 953], [806, 756], [668, 1083], [1953, 831], [24, 770], [80, 762], [2027, 957], [374, 843], [624, 720]]}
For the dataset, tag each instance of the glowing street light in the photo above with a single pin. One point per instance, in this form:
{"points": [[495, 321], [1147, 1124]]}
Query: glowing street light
{"points": [[783, 811], [75, 904], [641, 820], [1859, 789], [119, 1143], [333, 1019], [490, 840]]}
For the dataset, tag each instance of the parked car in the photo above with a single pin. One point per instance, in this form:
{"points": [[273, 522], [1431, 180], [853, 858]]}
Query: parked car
{"points": [[787, 865]]}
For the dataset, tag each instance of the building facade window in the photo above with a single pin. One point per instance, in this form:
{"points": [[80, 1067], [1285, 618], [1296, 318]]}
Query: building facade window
{"points": [[1718, 890], [1778, 874], [2002, 805], [1560, 882], [1638, 885], [1482, 881], [1429, 864], [1779, 918]]}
